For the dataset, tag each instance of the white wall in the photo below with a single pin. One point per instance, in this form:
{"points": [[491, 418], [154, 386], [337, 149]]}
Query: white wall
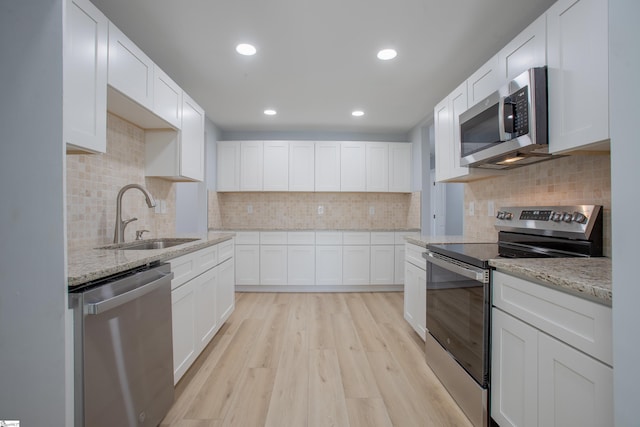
{"points": [[624, 63], [32, 243]]}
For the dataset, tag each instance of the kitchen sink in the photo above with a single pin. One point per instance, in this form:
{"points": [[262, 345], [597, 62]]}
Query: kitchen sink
{"points": [[143, 245]]}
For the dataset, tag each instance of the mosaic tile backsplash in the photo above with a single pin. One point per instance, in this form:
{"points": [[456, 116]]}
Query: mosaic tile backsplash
{"points": [[230, 211], [572, 180], [93, 182]]}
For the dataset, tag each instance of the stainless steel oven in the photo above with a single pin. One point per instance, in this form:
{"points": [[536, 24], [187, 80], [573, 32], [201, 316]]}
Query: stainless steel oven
{"points": [[458, 297]]}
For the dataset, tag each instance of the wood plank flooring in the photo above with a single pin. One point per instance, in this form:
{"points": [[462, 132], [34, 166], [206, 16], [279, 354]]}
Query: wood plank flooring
{"points": [[306, 360]]}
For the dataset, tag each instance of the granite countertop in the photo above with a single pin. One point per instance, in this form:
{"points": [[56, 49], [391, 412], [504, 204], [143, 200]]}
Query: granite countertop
{"points": [[589, 278], [85, 265], [379, 230], [427, 240]]}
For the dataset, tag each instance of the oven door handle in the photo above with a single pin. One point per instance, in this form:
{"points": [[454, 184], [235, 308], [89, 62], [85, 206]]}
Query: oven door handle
{"points": [[470, 273]]}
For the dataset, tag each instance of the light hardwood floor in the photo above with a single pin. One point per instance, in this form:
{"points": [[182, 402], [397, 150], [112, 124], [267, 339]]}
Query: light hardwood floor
{"points": [[323, 359]]}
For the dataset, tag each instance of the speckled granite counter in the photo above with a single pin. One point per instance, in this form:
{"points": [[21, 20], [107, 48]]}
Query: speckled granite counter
{"points": [[380, 230], [586, 277], [91, 264], [427, 240]]}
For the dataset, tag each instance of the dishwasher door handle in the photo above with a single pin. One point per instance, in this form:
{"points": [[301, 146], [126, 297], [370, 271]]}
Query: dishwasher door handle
{"points": [[111, 303]]}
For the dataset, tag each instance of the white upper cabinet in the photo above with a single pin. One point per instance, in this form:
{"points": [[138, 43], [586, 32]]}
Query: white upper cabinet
{"points": [[400, 168], [251, 165], [276, 166], [377, 166], [192, 140], [327, 170], [301, 165], [85, 78], [443, 141], [484, 81], [228, 166], [353, 176], [130, 70], [167, 98], [527, 50], [178, 155], [578, 75]]}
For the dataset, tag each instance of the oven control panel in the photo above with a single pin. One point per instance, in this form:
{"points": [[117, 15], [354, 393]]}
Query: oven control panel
{"points": [[568, 221]]}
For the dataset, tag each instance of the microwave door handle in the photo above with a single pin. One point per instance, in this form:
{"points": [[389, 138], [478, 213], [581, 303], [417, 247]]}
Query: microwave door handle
{"points": [[501, 129]]}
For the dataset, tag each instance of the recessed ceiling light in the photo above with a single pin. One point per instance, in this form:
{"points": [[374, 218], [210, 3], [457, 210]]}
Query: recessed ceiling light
{"points": [[387, 54], [246, 49], [270, 112], [357, 113]]}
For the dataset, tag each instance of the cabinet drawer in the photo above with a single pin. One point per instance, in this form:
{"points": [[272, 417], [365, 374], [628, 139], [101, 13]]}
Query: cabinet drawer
{"points": [[301, 238], [356, 238], [225, 250], [206, 259], [413, 254], [184, 268], [583, 324], [382, 238], [328, 238], [247, 238], [273, 238]]}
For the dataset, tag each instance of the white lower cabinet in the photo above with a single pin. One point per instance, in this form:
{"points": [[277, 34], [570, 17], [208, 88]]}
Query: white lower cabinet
{"points": [[415, 298], [382, 268], [536, 378], [301, 265], [355, 265], [273, 265], [202, 298], [328, 265], [247, 264], [183, 314], [398, 270]]}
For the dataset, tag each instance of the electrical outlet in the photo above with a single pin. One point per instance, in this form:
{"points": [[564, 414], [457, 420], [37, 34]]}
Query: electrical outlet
{"points": [[320, 210], [249, 209], [158, 208], [163, 206], [372, 210], [472, 209], [491, 211]]}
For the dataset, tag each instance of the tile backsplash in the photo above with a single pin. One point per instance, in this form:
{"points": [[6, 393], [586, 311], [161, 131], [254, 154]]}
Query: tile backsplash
{"points": [[93, 182], [366, 211], [572, 180]]}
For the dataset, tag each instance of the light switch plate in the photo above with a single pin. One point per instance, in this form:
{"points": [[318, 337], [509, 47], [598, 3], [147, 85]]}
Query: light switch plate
{"points": [[472, 209], [320, 210], [491, 208]]}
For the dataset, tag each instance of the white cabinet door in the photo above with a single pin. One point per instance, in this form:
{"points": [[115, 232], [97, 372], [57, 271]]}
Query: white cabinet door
{"points": [[527, 50], [573, 388], [85, 77], [578, 74], [377, 166], [273, 264], [192, 140], [415, 300], [130, 70], [382, 264], [301, 265], [247, 264], [167, 98], [327, 166], [353, 176], [458, 104], [225, 294], [228, 166], [206, 316], [443, 149], [183, 314], [398, 275], [400, 168], [251, 163], [355, 265], [301, 166], [276, 166], [328, 265], [514, 374], [484, 81]]}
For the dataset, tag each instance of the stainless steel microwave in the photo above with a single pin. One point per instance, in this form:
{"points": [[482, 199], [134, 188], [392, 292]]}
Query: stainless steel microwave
{"points": [[508, 128]]}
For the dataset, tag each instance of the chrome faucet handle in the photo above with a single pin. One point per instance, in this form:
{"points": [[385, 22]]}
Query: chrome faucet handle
{"points": [[139, 234]]}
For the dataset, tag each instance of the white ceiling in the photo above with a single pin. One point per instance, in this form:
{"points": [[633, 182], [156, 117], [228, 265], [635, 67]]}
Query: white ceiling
{"points": [[316, 60]]}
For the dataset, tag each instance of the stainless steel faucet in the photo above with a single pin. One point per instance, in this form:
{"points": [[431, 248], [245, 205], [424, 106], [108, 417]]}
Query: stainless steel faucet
{"points": [[118, 235]]}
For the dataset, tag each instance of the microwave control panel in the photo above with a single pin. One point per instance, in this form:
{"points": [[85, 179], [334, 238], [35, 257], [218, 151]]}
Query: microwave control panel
{"points": [[516, 113]]}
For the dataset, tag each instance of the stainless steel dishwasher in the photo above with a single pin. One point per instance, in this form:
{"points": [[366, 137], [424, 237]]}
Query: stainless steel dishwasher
{"points": [[123, 349]]}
